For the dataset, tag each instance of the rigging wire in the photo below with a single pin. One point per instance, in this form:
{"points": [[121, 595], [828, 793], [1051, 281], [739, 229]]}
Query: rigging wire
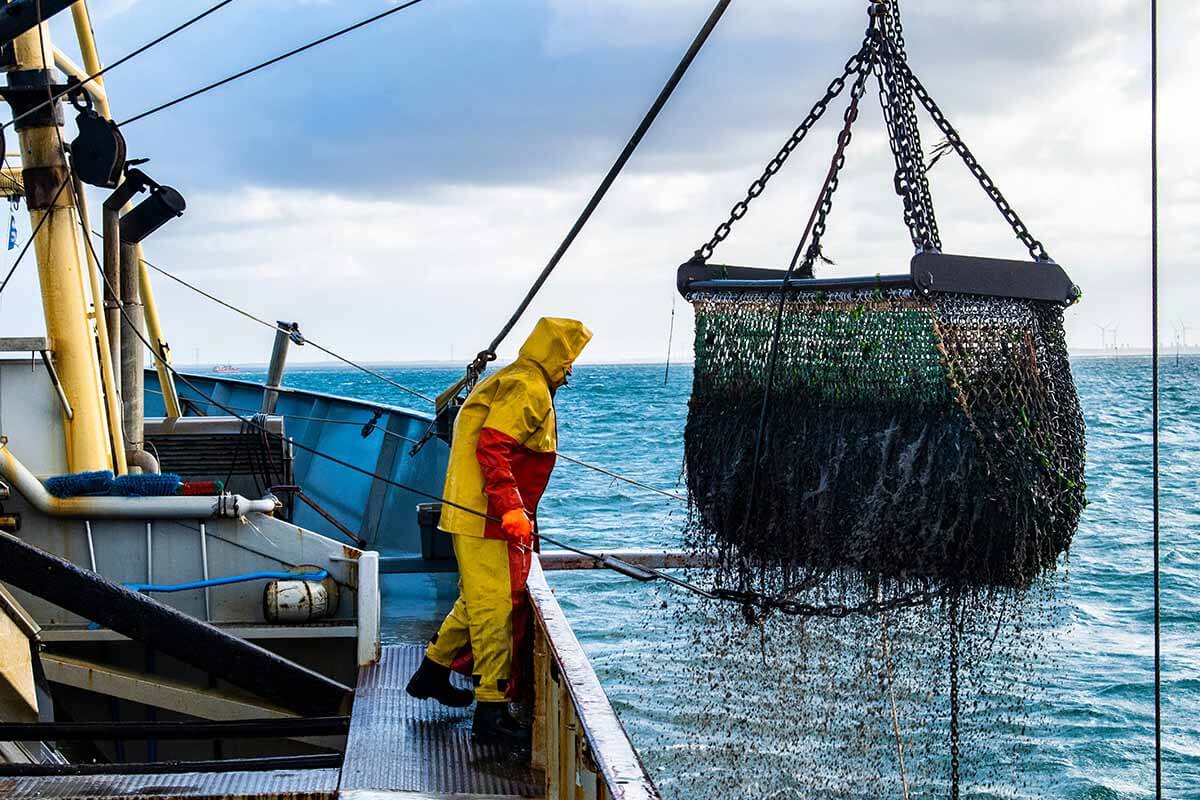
{"points": [[670, 338], [410, 440], [275, 327], [1158, 771], [100, 73], [252, 423], [260, 321], [657, 106], [269, 62], [48, 213]]}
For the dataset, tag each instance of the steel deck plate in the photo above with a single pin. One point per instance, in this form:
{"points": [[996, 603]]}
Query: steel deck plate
{"points": [[400, 744], [312, 784]]}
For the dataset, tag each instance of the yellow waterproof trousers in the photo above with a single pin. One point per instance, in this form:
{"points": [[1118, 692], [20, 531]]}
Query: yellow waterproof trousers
{"points": [[486, 632]]}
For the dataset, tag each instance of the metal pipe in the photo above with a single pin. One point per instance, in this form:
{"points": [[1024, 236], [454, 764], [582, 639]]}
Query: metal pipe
{"points": [[87, 527], [204, 561], [60, 264], [149, 552], [195, 508], [143, 459], [162, 352], [132, 354], [279, 352], [160, 349], [108, 375], [48, 362], [94, 88], [112, 293]]}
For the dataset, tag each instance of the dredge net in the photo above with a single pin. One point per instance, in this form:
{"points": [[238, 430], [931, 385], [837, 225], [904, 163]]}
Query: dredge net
{"points": [[913, 447], [919, 476]]}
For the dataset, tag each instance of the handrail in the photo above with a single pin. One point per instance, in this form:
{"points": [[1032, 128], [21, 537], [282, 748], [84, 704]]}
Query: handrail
{"points": [[581, 744]]}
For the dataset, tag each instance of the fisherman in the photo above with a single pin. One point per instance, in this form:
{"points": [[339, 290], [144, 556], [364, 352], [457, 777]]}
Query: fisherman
{"points": [[501, 456]]}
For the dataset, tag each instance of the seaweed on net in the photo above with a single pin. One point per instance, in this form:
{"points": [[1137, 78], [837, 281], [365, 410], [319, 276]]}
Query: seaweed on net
{"points": [[914, 446]]}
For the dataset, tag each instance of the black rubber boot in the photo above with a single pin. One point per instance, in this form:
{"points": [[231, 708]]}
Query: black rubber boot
{"points": [[432, 681], [493, 724]]}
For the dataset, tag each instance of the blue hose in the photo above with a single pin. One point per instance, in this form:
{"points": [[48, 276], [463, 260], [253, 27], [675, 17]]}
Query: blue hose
{"points": [[319, 575]]}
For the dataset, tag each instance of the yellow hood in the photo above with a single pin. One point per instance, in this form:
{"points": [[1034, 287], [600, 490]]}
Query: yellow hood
{"points": [[555, 344]]}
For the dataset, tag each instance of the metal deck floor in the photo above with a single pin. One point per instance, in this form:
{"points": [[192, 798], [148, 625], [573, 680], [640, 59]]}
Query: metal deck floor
{"points": [[398, 744], [311, 784]]}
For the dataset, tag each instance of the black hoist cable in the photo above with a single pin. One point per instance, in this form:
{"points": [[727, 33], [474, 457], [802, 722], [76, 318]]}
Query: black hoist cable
{"points": [[477, 367], [269, 62], [77, 85], [1158, 770]]}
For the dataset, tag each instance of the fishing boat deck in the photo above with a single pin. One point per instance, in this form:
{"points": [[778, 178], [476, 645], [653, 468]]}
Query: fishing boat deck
{"points": [[310, 784], [403, 746]]}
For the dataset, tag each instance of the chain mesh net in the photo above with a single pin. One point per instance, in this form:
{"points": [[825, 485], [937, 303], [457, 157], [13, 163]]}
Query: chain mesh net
{"points": [[913, 447]]}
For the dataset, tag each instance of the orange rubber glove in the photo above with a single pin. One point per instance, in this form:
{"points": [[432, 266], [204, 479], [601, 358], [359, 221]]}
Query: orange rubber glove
{"points": [[517, 525]]}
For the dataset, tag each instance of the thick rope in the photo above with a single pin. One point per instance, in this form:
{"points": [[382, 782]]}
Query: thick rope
{"points": [[643, 127]]}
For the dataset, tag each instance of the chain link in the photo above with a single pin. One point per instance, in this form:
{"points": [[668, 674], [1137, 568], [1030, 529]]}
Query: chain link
{"points": [[1035, 247], [853, 65], [826, 202], [904, 133]]}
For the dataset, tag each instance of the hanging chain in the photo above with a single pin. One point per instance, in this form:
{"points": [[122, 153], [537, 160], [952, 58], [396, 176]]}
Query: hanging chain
{"points": [[853, 66], [826, 201], [904, 134], [1035, 247]]}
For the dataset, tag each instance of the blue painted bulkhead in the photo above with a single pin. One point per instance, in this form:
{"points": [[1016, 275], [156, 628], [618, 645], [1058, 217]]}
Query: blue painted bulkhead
{"points": [[382, 514]]}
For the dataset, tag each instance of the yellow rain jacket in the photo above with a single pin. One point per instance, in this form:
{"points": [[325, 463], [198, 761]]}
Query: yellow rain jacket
{"points": [[501, 457], [505, 436]]}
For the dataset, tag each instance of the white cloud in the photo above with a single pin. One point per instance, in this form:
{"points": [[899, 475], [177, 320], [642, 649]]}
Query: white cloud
{"points": [[414, 274]]}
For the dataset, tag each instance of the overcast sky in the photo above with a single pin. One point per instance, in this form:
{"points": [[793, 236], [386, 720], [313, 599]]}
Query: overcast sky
{"points": [[396, 191]]}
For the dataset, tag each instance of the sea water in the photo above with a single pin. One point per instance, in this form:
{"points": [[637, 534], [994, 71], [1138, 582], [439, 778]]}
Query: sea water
{"points": [[1092, 734]]}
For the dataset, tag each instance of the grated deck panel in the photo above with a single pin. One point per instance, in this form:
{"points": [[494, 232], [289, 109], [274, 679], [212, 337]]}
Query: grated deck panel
{"points": [[400, 744], [311, 784]]}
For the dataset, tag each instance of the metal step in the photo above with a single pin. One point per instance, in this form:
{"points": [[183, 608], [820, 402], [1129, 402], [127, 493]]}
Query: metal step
{"points": [[400, 744], [313, 784]]}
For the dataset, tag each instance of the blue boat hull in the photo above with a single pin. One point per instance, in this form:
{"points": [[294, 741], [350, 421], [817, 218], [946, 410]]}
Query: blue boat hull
{"points": [[383, 515]]}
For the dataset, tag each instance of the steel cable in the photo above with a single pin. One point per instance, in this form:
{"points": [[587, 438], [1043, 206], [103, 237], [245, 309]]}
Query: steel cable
{"points": [[275, 327], [401, 437], [115, 64], [610, 177], [269, 62], [251, 422], [1158, 770], [49, 213]]}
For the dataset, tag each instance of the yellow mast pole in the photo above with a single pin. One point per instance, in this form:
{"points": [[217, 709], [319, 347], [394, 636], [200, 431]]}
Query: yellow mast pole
{"points": [[60, 266], [162, 353]]}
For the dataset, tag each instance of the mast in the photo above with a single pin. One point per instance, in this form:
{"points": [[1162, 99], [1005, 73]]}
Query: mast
{"points": [[60, 264], [162, 353]]}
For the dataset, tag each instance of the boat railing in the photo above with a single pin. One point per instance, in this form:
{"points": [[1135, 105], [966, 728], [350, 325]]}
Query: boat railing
{"points": [[578, 739]]}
